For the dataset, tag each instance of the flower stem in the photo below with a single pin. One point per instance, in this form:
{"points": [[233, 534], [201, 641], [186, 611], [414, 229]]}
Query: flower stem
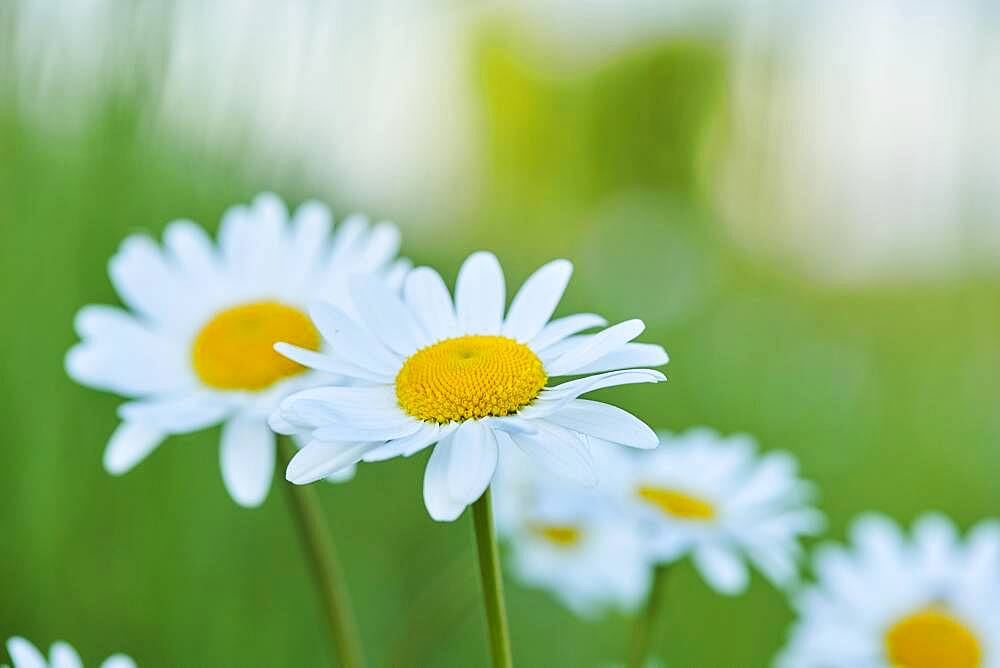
{"points": [[342, 629], [489, 573], [645, 624]]}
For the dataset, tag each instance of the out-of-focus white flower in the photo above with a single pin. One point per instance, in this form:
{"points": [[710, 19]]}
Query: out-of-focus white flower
{"points": [[196, 347], [61, 655], [461, 374], [569, 539], [719, 501], [927, 601]]}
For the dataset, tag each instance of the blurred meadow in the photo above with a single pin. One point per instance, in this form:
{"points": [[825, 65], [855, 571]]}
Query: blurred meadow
{"points": [[800, 202]]}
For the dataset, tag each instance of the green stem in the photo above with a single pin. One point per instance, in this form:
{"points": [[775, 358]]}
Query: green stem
{"points": [[345, 642], [645, 624], [489, 573]]}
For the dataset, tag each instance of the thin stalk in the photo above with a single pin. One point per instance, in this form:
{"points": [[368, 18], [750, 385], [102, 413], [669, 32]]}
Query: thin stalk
{"points": [[342, 629], [489, 573], [645, 625]]}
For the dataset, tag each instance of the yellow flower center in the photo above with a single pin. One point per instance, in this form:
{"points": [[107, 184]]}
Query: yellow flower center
{"points": [[469, 377], [677, 504], [932, 639], [557, 534], [235, 350]]}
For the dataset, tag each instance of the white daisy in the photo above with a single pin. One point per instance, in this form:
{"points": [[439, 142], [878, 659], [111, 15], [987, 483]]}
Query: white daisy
{"points": [[61, 655], [569, 539], [715, 499], [930, 601], [196, 347], [463, 376]]}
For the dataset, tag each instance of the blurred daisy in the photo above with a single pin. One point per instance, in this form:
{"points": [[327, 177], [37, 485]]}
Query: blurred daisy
{"points": [[61, 655], [196, 348], [715, 499], [569, 539], [462, 375], [930, 601]]}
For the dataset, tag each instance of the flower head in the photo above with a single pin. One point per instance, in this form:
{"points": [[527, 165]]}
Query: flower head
{"points": [[719, 501], [570, 539], [61, 655], [426, 369], [926, 601], [195, 347]]}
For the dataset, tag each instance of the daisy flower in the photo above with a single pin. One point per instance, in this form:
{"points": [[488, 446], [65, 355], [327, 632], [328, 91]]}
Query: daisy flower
{"points": [[195, 346], [719, 501], [930, 600], [61, 655], [462, 375], [569, 539]]}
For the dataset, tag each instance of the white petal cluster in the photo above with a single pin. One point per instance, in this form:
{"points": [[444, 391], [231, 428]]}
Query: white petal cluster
{"points": [[759, 508], [345, 424], [599, 562], [884, 577], [144, 352], [61, 655]]}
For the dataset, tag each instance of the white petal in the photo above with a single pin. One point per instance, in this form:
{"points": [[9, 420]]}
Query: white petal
{"points": [[429, 301], [343, 475], [428, 433], [376, 432], [381, 246], [724, 571], [373, 406], [349, 414], [192, 251], [142, 278], [318, 460], [560, 451], [396, 273], [554, 398], [307, 245], [118, 661], [511, 424], [479, 295], [263, 259], [178, 415], [236, 241], [386, 316], [62, 655], [247, 458], [351, 341], [24, 654], [557, 330], [628, 356], [347, 237], [606, 422], [310, 230], [130, 444], [473, 461], [328, 363], [437, 497], [535, 302], [121, 354], [594, 347], [278, 424]]}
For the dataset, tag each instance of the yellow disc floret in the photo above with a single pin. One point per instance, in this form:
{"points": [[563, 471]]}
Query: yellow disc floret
{"points": [[469, 377], [560, 535], [932, 639], [235, 349], [677, 504]]}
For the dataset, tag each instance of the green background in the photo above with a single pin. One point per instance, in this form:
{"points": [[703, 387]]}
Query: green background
{"points": [[886, 394]]}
